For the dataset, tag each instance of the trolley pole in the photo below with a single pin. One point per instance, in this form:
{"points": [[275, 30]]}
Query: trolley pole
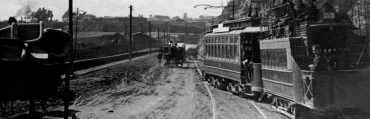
{"points": [[66, 87], [150, 38], [129, 57]]}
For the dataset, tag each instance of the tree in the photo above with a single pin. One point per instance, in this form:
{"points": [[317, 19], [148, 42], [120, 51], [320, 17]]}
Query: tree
{"points": [[43, 14]]}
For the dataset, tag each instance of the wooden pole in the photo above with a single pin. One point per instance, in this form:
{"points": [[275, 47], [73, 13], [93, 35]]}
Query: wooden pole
{"points": [[233, 9], [130, 33], [66, 85], [164, 37], [158, 37], [358, 17], [150, 38], [75, 41]]}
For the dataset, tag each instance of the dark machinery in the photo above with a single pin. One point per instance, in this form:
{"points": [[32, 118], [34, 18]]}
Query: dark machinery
{"points": [[32, 62]]}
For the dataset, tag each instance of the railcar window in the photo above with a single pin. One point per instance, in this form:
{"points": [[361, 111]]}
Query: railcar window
{"points": [[274, 59], [227, 50], [206, 48], [224, 48], [232, 48], [221, 47], [236, 49], [213, 47], [210, 47], [217, 47]]}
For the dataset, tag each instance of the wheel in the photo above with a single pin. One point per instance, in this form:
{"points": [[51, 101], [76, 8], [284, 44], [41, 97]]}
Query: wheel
{"points": [[217, 84], [230, 88], [238, 89], [212, 81]]}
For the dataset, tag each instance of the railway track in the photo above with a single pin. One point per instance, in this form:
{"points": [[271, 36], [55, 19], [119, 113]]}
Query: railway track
{"points": [[264, 114]]}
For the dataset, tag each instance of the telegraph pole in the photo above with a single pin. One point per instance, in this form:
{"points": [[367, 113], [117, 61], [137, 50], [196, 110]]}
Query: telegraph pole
{"points": [[75, 43], [233, 9], [130, 32], [150, 38], [164, 37], [66, 85], [141, 27], [158, 37]]}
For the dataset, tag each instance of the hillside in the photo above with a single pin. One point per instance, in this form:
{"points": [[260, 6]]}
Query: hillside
{"points": [[354, 9]]}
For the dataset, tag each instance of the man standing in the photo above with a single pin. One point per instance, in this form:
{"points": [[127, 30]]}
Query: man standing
{"points": [[320, 63]]}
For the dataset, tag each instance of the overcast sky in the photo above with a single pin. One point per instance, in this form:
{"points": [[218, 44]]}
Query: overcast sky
{"points": [[115, 7]]}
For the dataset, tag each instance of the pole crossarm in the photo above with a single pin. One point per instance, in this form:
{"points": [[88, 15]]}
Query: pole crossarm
{"points": [[208, 6]]}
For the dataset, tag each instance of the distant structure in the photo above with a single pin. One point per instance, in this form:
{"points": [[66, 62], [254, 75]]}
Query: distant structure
{"points": [[185, 17], [25, 14], [176, 17]]}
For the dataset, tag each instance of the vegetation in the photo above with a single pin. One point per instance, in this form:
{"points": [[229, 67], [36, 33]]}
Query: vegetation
{"points": [[43, 14]]}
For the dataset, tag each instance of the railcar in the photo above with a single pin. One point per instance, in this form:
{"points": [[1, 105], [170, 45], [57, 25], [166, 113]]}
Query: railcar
{"points": [[32, 62], [225, 56], [274, 61], [297, 90]]}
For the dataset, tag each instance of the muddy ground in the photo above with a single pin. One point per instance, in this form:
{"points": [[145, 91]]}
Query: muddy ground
{"points": [[144, 89], [147, 91]]}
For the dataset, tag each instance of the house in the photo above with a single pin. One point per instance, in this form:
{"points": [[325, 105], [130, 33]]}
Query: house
{"points": [[160, 18]]}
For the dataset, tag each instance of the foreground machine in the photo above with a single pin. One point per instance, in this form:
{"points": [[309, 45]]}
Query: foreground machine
{"points": [[32, 61]]}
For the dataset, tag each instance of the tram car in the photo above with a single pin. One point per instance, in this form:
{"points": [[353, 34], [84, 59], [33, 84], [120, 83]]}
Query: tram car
{"points": [[32, 62], [273, 62]]}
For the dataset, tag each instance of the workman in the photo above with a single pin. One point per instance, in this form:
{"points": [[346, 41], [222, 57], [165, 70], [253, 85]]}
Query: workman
{"points": [[320, 62]]}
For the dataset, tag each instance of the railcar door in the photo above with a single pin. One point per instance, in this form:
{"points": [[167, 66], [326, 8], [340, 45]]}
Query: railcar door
{"points": [[250, 52]]}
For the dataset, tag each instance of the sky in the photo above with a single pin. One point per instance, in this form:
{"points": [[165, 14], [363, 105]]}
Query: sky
{"points": [[102, 8]]}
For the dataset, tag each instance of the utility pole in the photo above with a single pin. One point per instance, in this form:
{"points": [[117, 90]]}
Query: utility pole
{"points": [[75, 43], [233, 9], [168, 35], [358, 17], [66, 85], [141, 27], [130, 32], [158, 37], [164, 37], [150, 38]]}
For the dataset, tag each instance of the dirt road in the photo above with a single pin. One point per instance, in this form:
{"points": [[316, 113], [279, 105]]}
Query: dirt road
{"points": [[174, 95]]}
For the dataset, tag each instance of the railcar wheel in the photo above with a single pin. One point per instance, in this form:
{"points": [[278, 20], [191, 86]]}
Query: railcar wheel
{"points": [[228, 88], [206, 77], [239, 90], [217, 84], [213, 81], [231, 88]]}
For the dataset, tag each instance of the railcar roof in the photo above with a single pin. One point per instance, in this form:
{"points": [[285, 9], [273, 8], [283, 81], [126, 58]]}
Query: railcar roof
{"points": [[252, 30], [238, 32]]}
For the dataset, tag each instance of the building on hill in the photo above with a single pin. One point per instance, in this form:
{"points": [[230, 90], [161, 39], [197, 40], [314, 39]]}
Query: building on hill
{"points": [[160, 18], [176, 17], [111, 19], [25, 15]]}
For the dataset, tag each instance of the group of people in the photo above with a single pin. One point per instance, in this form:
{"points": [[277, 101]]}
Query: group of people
{"points": [[285, 12], [172, 48]]}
